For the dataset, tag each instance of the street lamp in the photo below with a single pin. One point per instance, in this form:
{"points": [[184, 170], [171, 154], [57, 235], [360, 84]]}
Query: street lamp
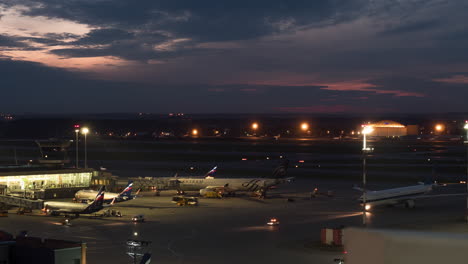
{"points": [[194, 132], [85, 132], [466, 143], [255, 126], [366, 130], [304, 126], [77, 130]]}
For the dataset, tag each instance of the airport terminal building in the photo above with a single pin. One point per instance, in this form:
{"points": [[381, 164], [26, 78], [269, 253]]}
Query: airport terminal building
{"points": [[50, 176], [45, 182]]}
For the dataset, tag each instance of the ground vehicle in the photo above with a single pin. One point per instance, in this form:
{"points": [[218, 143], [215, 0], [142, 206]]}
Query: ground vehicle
{"points": [[138, 219], [273, 222], [182, 200], [66, 222]]}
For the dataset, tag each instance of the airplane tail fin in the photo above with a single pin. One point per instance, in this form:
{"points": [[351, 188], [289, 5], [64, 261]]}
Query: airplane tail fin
{"points": [[99, 200], [281, 170], [212, 171], [127, 192]]}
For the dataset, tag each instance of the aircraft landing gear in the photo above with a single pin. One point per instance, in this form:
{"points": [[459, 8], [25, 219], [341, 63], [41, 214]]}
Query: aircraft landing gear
{"points": [[409, 204]]}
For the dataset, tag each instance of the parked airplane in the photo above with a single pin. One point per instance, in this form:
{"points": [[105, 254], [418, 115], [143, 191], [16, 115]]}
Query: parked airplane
{"points": [[402, 195], [125, 195], [230, 185], [56, 208]]}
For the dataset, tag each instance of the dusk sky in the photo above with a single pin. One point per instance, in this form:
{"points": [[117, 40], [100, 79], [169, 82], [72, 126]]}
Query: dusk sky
{"points": [[275, 56]]}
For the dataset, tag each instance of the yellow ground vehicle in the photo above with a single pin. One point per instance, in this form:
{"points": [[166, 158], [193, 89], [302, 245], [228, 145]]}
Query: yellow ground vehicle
{"points": [[213, 194], [182, 200]]}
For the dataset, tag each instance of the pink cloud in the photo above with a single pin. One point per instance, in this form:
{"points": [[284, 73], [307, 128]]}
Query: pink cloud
{"points": [[366, 87], [459, 79]]}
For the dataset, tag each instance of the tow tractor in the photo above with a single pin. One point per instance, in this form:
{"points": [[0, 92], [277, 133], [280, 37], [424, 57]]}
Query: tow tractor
{"points": [[182, 200]]}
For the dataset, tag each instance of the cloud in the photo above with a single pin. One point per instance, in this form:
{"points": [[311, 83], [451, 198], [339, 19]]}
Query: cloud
{"points": [[103, 36], [412, 27], [7, 41], [456, 79], [206, 21], [321, 109], [367, 87]]}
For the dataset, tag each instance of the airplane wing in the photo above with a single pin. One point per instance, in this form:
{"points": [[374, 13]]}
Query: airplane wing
{"points": [[436, 196], [110, 204]]}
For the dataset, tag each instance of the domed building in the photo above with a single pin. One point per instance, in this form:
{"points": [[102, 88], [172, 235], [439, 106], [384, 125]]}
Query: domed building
{"points": [[388, 128]]}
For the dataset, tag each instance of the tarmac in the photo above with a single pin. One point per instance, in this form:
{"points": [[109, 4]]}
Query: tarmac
{"points": [[234, 230]]}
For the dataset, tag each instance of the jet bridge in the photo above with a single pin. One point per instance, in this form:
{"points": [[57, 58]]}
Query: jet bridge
{"points": [[21, 202], [151, 183]]}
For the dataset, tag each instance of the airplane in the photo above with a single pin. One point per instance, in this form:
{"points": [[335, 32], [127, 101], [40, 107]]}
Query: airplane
{"points": [[230, 185], [57, 208], [401, 195], [125, 195]]}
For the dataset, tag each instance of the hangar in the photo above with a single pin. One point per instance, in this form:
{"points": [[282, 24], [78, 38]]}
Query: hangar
{"points": [[388, 128]]}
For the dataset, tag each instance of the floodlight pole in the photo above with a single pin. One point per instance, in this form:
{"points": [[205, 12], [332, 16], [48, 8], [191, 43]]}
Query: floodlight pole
{"points": [[364, 181], [76, 145], [85, 151], [365, 151], [466, 144]]}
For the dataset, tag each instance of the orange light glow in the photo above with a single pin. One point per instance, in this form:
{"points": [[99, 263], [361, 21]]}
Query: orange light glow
{"points": [[304, 126], [194, 132], [439, 127], [255, 126]]}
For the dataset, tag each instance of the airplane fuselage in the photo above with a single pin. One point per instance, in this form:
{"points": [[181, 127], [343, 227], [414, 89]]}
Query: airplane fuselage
{"points": [[231, 184], [72, 208], [91, 194], [396, 195]]}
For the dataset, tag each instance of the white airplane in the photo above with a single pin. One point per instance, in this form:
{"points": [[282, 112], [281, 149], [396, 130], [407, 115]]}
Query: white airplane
{"points": [[125, 195], [57, 208], [402, 195], [230, 185]]}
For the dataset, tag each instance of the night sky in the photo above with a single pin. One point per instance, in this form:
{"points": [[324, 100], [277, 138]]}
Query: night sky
{"points": [[255, 56]]}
